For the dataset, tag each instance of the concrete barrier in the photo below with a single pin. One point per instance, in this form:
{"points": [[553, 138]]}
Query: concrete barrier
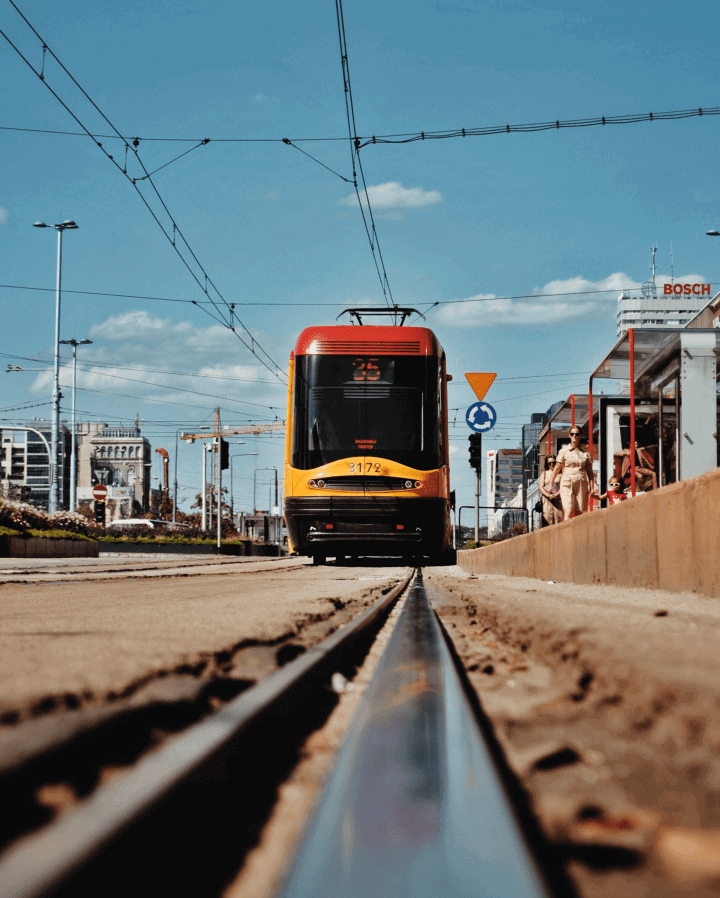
{"points": [[665, 539]]}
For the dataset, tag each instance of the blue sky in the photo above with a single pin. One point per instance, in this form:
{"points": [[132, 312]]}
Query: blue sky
{"points": [[508, 215]]}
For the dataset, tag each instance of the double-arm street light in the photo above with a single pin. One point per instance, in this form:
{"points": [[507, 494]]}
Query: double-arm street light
{"points": [[255, 486], [54, 480], [713, 233], [232, 459], [73, 463]]}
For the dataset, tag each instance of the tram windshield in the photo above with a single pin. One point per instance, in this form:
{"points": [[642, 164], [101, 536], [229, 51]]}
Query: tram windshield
{"points": [[389, 407]]}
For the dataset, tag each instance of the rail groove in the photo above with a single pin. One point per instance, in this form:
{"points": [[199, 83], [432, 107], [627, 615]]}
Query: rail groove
{"points": [[415, 806]]}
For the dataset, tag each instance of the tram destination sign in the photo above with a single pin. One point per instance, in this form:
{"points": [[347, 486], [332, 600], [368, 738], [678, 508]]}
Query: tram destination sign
{"points": [[481, 417]]}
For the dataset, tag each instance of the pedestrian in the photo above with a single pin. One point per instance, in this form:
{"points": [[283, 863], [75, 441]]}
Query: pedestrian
{"points": [[576, 469], [614, 492], [549, 490]]}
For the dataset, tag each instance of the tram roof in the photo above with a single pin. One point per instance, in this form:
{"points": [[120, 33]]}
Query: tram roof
{"points": [[351, 339]]}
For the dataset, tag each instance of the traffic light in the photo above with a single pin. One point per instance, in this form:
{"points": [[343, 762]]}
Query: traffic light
{"points": [[224, 454], [475, 450]]}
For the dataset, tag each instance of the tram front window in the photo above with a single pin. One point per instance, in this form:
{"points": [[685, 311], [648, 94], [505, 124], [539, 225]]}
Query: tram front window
{"points": [[348, 406]]}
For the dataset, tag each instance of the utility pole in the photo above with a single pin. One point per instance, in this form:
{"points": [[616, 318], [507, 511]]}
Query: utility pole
{"points": [[218, 464]]}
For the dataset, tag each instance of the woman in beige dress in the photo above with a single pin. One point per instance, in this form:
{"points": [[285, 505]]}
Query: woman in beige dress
{"points": [[575, 466], [552, 510]]}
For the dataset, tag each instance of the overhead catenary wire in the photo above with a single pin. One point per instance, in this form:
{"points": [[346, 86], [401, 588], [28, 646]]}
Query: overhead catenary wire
{"points": [[276, 370], [427, 134], [92, 365], [356, 162], [332, 303], [145, 383]]}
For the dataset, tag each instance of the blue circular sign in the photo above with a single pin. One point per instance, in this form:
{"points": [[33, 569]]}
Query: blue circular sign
{"points": [[481, 417]]}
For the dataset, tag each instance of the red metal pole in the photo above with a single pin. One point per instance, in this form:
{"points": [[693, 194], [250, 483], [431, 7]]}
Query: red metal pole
{"points": [[590, 420], [631, 341]]}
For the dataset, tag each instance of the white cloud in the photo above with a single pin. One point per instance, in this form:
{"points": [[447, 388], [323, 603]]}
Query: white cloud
{"points": [[548, 305], [135, 325], [3, 215], [141, 355], [240, 372], [392, 195]]}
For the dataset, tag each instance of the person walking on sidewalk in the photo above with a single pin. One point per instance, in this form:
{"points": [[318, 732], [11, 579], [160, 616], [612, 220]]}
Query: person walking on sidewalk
{"points": [[551, 508], [576, 469]]}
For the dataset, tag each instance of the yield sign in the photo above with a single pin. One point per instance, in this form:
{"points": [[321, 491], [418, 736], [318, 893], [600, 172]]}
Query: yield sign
{"points": [[480, 417], [480, 383]]}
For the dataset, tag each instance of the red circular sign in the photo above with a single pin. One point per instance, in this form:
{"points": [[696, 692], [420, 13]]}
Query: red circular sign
{"points": [[100, 492]]}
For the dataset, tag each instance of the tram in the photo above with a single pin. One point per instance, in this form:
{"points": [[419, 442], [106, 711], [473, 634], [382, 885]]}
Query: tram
{"points": [[366, 453]]}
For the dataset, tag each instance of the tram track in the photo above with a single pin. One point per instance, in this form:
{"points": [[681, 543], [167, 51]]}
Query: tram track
{"points": [[187, 777], [183, 818], [134, 568]]}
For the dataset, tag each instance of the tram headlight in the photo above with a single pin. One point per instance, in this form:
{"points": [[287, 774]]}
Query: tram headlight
{"points": [[311, 483], [418, 484], [408, 484], [321, 483]]}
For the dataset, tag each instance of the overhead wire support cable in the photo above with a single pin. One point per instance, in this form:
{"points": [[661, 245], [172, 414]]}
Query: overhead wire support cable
{"points": [[277, 370], [202, 143], [332, 171], [355, 155]]}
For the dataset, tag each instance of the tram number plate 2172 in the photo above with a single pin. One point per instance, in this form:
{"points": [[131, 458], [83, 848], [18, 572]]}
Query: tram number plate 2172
{"points": [[356, 467]]}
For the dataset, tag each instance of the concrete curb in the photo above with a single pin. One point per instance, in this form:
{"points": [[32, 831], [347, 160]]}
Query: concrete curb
{"points": [[665, 539]]}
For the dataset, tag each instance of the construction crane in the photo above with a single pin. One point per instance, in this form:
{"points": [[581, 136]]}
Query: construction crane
{"points": [[217, 435], [256, 428]]}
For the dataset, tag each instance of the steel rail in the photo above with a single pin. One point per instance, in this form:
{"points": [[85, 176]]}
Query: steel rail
{"points": [[43, 861], [415, 805]]}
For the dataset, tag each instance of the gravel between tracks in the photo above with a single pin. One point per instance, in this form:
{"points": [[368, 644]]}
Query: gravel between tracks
{"points": [[605, 702]]}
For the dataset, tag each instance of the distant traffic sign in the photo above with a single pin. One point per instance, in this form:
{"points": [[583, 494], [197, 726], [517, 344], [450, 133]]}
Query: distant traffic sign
{"points": [[480, 382], [100, 492], [481, 417]]}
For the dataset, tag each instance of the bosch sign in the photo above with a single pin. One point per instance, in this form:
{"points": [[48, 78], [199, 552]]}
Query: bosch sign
{"points": [[687, 289]]}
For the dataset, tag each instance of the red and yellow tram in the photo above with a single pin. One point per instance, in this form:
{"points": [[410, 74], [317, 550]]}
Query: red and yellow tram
{"points": [[366, 454]]}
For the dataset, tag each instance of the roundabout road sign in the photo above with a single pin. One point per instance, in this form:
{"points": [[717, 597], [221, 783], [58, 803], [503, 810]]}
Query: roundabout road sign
{"points": [[100, 492], [481, 417]]}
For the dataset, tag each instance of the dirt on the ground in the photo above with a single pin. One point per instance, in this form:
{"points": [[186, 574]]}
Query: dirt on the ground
{"points": [[100, 634], [605, 702]]}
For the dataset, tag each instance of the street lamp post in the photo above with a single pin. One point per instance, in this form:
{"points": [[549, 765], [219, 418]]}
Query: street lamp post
{"points": [[73, 464], [255, 484], [207, 447], [53, 504], [232, 458]]}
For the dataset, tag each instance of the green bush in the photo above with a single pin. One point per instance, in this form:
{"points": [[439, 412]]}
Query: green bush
{"points": [[60, 534], [8, 531]]}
